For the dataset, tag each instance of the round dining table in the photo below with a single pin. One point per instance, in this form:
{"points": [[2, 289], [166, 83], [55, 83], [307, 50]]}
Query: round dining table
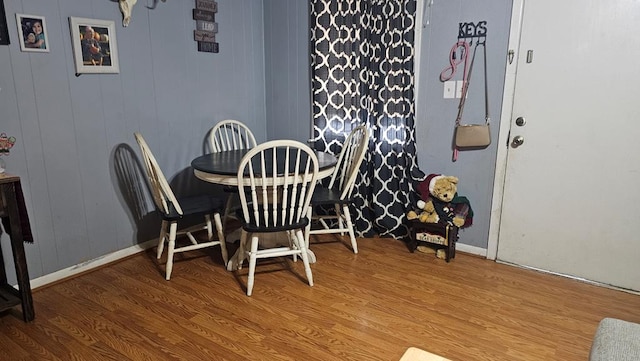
{"points": [[222, 168]]}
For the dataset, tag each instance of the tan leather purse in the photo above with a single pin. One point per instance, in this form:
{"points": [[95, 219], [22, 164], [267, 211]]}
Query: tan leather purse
{"points": [[473, 136]]}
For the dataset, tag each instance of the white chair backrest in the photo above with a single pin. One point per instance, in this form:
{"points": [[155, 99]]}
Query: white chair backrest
{"points": [[351, 156], [230, 135], [162, 193], [281, 175]]}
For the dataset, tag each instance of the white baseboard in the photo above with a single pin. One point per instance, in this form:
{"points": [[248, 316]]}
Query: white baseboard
{"points": [[99, 261], [112, 257], [91, 264], [471, 249]]}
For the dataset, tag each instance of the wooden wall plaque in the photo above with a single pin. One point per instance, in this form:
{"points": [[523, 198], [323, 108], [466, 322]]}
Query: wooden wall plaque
{"points": [[206, 27], [208, 36], [204, 15], [207, 5], [208, 47]]}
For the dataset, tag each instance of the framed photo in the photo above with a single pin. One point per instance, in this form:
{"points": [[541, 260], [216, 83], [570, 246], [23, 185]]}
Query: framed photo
{"points": [[4, 30], [95, 49], [32, 33]]}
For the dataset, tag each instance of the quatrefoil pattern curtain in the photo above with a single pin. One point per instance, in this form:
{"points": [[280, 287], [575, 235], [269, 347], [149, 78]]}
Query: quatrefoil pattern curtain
{"points": [[362, 59]]}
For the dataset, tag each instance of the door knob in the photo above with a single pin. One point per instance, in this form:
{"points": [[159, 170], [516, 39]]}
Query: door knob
{"points": [[518, 140], [520, 121]]}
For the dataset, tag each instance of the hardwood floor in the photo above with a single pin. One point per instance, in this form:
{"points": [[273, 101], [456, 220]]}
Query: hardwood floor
{"points": [[370, 306]]}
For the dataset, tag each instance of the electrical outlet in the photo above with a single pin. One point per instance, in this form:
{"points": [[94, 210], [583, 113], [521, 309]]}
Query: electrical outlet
{"points": [[449, 89]]}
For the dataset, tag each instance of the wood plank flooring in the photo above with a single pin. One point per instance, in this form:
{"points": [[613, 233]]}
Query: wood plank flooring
{"points": [[369, 306]]}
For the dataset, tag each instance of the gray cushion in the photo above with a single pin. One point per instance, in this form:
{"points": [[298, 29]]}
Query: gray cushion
{"points": [[616, 340]]}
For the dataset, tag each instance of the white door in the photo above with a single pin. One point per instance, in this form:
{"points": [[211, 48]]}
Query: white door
{"points": [[571, 198]]}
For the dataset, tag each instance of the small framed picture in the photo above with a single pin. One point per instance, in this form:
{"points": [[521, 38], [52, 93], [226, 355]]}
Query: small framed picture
{"points": [[95, 49], [32, 33]]}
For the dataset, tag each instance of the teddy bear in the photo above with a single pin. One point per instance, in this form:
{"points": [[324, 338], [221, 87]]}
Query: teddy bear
{"points": [[427, 215], [439, 201]]}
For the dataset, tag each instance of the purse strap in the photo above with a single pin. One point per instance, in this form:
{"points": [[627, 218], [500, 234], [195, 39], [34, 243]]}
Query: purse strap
{"points": [[486, 83], [465, 86]]}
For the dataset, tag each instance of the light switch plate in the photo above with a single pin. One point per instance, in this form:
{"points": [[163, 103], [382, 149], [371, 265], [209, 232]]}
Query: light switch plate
{"points": [[459, 85]]}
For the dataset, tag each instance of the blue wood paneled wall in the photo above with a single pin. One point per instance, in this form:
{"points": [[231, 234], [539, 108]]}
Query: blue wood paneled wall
{"points": [[436, 115], [75, 149], [287, 69], [74, 135]]}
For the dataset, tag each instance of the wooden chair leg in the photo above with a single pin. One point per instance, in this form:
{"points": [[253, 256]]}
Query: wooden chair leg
{"points": [[235, 263], [252, 264], [209, 227], [299, 239], [170, 249], [221, 238], [227, 210], [308, 228], [339, 217], [161, 239], [352, 236]]}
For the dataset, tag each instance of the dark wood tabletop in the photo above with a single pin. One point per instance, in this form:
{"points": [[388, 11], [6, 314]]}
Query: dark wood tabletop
{"points": [[226, 163]]}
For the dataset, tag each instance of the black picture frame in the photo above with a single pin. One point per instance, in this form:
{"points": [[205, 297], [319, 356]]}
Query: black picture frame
{"points": [[4, 29]]}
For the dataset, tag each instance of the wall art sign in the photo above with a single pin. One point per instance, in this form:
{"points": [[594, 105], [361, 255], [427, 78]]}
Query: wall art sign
{"points": [[207, 5], [472, 30], [208, 47], [95, 49], [4, 30], [32, 33], [207, 36], [205, 16], [207, 26]]}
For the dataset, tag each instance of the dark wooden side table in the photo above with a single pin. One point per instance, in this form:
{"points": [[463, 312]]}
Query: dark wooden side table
{"points": [[434, 235], [16, 223]]}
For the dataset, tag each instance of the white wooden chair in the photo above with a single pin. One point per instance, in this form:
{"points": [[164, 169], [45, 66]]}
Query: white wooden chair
{"points": [[340, 189], [230, 134], [173, 211], [276, 181]]}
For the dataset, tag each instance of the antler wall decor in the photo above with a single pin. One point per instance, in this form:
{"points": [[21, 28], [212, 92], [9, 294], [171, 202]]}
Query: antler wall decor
{"points": [[126, 7]]}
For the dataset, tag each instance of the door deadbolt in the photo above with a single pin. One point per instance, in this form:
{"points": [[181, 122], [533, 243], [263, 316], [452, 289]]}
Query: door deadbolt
{"points": [[520, 121], [518, 140]]}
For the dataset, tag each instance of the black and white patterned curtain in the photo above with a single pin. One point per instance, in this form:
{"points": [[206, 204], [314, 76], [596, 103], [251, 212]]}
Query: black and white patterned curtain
{"points": [[362, 59]]}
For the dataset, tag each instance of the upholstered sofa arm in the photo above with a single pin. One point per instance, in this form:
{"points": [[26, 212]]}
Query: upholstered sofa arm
{"points": [[616, 340]]}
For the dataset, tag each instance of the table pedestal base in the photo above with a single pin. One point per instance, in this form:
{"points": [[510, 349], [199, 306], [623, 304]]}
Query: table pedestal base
{"points": [[270, 239]]}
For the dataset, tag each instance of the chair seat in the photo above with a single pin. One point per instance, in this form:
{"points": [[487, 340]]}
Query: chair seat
{"points": [[230, 189], [323, 196], [252, 226], [193, 206]]}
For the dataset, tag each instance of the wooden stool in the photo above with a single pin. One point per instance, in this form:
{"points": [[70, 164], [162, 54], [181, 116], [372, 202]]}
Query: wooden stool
{"points": [[434, 235]]}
